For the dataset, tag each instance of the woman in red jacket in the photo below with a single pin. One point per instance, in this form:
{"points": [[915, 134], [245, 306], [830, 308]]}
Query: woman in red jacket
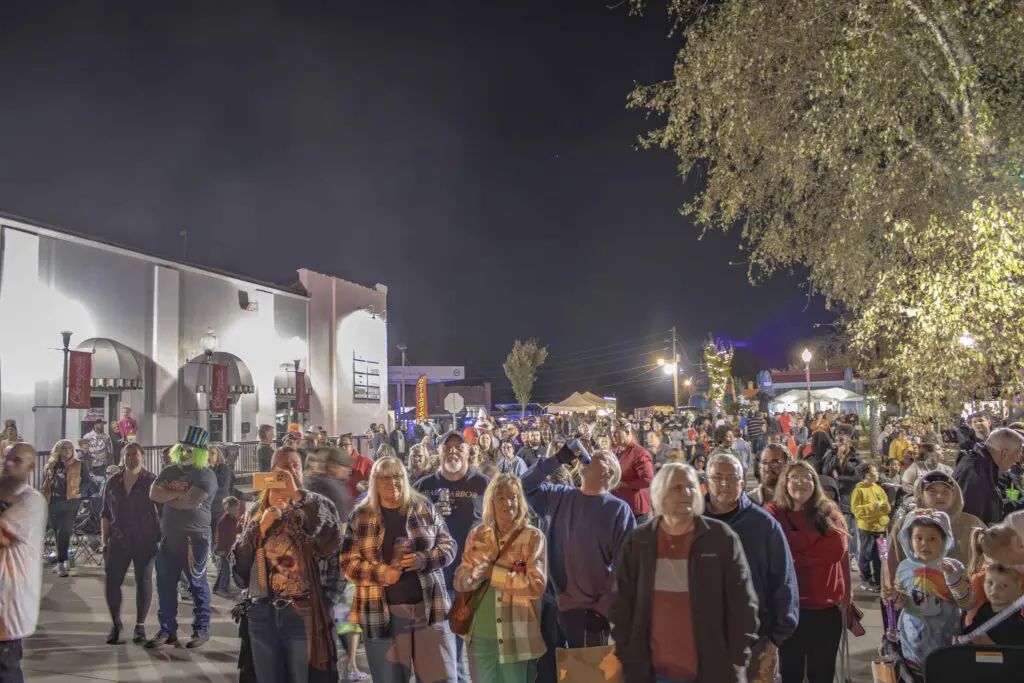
{"points": [[817, 539]]}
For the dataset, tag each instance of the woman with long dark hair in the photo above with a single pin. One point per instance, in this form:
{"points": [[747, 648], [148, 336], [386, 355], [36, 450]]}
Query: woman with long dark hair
{"points": [[817, 537], [280, 556], [65, 482]]}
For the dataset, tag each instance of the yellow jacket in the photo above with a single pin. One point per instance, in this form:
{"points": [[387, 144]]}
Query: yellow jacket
{"points": [[862, 504], [898, 449]]}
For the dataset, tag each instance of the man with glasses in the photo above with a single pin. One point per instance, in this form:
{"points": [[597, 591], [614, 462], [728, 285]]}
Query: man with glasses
{"points": [[773, 459], [771, 565]]}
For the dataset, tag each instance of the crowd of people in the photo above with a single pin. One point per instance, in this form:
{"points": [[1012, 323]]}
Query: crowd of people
{"points": [[698, 547]]}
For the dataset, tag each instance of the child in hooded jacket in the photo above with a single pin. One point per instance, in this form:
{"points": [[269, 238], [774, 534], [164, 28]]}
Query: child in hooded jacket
{"points": [[870, 506], [931, 588]]}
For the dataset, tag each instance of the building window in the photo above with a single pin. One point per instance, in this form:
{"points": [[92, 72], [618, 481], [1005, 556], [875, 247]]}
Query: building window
{"points": [[365, 380]]}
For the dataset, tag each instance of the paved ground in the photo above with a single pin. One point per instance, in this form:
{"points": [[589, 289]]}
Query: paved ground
{"points": [[73, 625]]}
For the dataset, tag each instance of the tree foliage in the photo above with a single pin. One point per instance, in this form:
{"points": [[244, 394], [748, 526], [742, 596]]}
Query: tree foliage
{"points": [[521, 367], [879, 143]]}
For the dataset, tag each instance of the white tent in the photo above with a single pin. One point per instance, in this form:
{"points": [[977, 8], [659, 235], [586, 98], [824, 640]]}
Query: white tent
{"points": [[577, 403], [833, 395]]}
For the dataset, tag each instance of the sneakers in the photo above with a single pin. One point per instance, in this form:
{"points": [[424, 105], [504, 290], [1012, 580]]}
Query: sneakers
{"points": [[199, 638], [864, 587], [62, 570], [875, 588], [161, 639], [114, 637], [139, 636]]}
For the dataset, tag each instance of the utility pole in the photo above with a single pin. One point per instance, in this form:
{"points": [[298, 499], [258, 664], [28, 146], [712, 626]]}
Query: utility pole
{"points": [[675, 372]]}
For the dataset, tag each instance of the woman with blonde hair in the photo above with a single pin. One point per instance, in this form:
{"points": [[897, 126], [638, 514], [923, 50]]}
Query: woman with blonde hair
{"points": [[818, 541], [510, 555], [281, 556], [65, 482], [395, 546]]}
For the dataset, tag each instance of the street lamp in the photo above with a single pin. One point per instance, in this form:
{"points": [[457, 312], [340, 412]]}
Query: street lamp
{"points": [[401, 406], [66, 338], [806, 357], [296, 363], [209, 344]]}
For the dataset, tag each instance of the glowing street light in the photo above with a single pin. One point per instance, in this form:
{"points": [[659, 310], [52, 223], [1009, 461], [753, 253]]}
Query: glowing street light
{"points": [[806, 357]]}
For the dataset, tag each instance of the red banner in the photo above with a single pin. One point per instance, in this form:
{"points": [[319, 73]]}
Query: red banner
{"points": [[421, 398], [301, 397], [80, 379], [219, 390]]}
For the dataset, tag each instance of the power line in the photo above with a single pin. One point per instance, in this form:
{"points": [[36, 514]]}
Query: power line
{"points": [[607, 346]]}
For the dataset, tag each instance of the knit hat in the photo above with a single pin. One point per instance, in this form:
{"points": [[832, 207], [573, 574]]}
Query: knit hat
{"points": [[195, 437]]}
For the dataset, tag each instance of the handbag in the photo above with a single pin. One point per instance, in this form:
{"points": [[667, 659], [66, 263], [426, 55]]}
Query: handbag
{"points": [[460, 616], [596, 664]]}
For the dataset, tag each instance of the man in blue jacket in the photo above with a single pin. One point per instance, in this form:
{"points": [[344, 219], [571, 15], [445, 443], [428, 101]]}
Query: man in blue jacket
{"points": [[771, 566]]}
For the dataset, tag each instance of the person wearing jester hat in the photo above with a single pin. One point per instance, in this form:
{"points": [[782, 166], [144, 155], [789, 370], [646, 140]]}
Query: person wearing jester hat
{"points": [[185, 488]]}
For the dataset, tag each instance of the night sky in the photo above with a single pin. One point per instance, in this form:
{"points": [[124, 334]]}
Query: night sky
{"points": [[476, 157]]}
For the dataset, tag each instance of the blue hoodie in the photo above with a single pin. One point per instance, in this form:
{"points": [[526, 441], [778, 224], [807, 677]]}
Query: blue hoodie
{"points": [[771, 568], [931, 599]]}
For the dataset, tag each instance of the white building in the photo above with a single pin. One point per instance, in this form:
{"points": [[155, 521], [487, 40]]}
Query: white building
{"points": [[145, 320]]}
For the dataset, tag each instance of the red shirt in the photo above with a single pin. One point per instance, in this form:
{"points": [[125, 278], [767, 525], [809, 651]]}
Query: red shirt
{"points": [[224, 534], [127, 426], [361, 466], [818, 558], [673, 644], [637, 474]]}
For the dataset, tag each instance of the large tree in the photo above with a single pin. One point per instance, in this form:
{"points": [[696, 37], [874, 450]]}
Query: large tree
{"points": [[879, 143], [521, 367]]}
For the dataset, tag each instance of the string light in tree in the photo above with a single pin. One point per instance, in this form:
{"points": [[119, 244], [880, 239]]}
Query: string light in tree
{"points": [[718, 365]]}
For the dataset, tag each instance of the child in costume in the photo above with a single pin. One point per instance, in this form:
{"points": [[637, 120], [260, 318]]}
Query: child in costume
{"points": [[930, 587]]}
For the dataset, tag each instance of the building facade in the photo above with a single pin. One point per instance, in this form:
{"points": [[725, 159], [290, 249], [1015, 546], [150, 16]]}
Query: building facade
{"points": [[155, 328]]}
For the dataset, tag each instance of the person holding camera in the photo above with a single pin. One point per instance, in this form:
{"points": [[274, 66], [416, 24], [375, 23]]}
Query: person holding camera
{"points": [[395, 547], [280, 556]]}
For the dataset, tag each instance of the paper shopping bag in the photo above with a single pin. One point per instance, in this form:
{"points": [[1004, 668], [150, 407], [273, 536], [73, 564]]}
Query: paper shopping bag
{"points": [[883, 672], [588, 665]]}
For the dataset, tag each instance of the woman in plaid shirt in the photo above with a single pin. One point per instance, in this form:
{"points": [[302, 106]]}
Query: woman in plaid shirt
{"points": [[505, 641], [394, 549]]}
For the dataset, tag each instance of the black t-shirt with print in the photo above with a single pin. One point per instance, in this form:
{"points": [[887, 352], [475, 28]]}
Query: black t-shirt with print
{"points": [[408, 590]]}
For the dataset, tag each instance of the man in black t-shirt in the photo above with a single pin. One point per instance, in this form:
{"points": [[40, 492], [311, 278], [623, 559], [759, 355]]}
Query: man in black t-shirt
{"points": [[185, 488]]}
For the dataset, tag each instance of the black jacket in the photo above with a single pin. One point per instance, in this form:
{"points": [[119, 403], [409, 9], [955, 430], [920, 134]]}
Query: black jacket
{"points": [[723, 601], [847, 474], [978, 476]]}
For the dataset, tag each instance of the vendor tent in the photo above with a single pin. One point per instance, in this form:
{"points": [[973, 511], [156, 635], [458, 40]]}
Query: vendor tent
{"points": [[577, 403], [599, 401], [832, 395]]}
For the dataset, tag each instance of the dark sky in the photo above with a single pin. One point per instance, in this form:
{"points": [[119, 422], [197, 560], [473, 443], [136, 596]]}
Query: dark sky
{"points": [[476, 157]]}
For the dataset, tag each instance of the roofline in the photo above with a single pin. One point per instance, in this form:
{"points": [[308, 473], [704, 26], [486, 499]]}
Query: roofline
{"points": [[24, 224]]}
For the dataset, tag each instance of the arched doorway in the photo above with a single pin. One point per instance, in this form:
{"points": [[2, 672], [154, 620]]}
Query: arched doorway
{"points": [[117, 382], [242, 407]]}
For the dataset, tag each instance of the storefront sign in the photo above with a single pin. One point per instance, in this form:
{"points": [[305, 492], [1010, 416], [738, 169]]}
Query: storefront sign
{"points": [[80, 379], [219, 389], [301, 397], [421, 398]]}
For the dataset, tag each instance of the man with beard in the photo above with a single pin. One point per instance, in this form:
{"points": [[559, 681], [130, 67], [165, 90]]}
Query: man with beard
{"points": [[185, 488], [773, 459], [975, 432], [927, 460], [531, 450], [22, 530], [458, 494]]}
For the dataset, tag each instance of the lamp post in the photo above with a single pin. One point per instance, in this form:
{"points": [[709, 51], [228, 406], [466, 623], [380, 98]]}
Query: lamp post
{"points": [[806, 357], [401, 404], [66, 337], [209, 344], [296, 362]]}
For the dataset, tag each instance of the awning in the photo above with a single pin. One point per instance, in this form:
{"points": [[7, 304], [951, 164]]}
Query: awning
{"points": [[284, 382], [114, 365], [239, 377], [834, 394]]}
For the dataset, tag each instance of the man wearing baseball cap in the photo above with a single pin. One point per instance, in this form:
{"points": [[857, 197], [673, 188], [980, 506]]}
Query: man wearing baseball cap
{"points": [[101, 448]]}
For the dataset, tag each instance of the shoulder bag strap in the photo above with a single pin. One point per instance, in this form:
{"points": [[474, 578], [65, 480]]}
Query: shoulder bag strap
{"points": [[508, 544]]}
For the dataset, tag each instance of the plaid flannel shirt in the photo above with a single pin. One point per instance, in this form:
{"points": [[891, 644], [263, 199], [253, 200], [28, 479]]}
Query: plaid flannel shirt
{"points": [[516, 593], [362, 562]]}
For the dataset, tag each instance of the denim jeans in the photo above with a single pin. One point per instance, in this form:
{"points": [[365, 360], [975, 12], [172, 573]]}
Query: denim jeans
{"points": [[869, 560], [62, 516], [11, 653], [851, 526], [277, 637], [461, 656], [223, 582], [412, 644], [183, 555]]}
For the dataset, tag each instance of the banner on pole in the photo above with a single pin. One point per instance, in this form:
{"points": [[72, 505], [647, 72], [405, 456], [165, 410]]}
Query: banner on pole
{"points": [[421, 398], [301, 397], [80, 379], [219, 389]]}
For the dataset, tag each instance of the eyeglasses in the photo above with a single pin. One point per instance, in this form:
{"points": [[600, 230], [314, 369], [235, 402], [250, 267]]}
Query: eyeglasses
{"points": [[723, 480], [800, 479], [773, 464]]}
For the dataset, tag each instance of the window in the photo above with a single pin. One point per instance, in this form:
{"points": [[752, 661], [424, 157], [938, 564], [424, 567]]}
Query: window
{"points": [[365, 380]]}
